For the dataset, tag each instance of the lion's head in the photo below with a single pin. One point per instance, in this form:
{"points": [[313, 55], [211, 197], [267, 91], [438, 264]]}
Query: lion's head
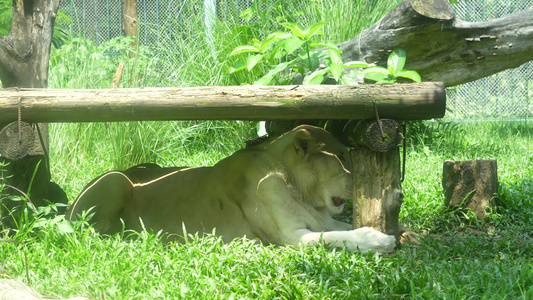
{"points": [[317, 166]]}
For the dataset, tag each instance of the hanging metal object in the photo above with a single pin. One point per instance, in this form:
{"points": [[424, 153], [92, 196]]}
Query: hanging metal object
{"points": [[16, 140]]}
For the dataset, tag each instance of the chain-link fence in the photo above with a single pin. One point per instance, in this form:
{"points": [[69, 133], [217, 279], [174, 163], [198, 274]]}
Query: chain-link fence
{"points": [[101, 20], [504, 95]]}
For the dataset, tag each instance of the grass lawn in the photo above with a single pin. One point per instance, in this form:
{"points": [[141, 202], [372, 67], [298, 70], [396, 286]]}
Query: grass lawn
{"points": [[459, 257]]}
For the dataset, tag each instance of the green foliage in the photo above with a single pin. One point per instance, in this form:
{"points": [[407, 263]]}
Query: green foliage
{"points": [[446, 267], [19, 211], [431, 143], [284, 54], [279, 63], [80, 63], [394, 70], [271, 14], [6, 16], [61, 31], [345, 19]]}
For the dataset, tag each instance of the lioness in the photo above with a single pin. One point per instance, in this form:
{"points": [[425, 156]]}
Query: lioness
{"points": [[281, 191]]}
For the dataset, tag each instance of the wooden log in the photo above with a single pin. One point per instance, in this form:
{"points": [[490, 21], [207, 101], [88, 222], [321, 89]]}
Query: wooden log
{"points": [[471, 184], [377, 135], [16, 140], [377, 191], [416, 101], [441, 47], [380, 136]]}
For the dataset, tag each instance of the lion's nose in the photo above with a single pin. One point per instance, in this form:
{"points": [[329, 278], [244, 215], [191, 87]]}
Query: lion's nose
{"points": [[338, 201]]}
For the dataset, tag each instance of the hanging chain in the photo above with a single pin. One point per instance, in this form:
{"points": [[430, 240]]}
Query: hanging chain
{"points": [[404, 151], [377, 118], [20, 119]]}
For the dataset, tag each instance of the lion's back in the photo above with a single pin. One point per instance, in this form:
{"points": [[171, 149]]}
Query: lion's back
{"points": [[193, 198]]}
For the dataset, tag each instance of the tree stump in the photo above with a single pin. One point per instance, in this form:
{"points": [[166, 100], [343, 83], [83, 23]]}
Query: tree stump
{"points": [[377, 192], [471, 184]]}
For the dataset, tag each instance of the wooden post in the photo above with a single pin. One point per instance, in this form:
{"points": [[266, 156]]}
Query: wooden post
{"points": [[377, 191], [129, 23], [471, 184], [24, 60]]}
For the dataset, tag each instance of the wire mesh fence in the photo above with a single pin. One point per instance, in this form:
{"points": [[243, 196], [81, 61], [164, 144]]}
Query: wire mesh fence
{"points": [[101, 20], [507, 95]]}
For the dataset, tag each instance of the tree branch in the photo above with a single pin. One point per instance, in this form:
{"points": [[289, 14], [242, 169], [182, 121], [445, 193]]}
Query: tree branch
{"points": [[443, 48]]}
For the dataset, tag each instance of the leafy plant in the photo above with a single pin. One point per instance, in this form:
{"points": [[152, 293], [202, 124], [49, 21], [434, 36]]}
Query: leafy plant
{"points": [[6, 15], [285, 54], [295, 51], [395, 64]]}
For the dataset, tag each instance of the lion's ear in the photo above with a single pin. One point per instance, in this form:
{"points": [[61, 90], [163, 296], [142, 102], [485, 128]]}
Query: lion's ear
{"points": [[304, 143]]}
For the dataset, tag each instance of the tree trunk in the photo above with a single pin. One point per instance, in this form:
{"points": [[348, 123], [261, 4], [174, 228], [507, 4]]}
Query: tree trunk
{"points": [[24, 58], [397, 101], [25, 52], [377, 191], [442, 48], [129, 24]]}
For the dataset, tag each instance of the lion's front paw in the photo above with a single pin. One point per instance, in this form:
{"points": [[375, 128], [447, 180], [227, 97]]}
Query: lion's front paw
{"points": [[367, 238]]}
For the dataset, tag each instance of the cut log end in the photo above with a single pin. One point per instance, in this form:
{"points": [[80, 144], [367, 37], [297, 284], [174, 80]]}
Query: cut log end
{"points": [[16, 140], [377, 135]]}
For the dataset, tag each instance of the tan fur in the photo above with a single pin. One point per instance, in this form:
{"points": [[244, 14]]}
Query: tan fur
{"points": [[282, 191]]}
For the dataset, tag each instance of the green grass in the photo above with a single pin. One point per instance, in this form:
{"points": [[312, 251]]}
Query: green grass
{"points": [[510, 143], [207, 269], [341, 26], [82, 151], [459, 257]]}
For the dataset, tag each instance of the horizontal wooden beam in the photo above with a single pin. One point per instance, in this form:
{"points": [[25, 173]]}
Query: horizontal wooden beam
{"points": [[416, 101]]}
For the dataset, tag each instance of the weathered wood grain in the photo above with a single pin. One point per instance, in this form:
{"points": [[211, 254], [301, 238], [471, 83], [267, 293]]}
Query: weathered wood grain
{"points": [[417, 101], [441, 47]]}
